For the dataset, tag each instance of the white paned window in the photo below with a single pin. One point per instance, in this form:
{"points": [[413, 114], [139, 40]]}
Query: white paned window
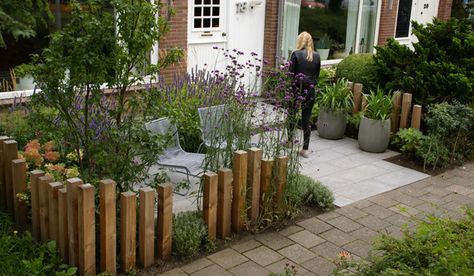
{"points": [[206, 14]]}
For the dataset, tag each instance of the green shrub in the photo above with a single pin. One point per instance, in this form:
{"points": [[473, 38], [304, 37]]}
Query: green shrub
{"points": [[439, 246], [311, 192], [189, 233], [359, 68], [15, 124], [21, 255], [441, 67], [408, 140]]}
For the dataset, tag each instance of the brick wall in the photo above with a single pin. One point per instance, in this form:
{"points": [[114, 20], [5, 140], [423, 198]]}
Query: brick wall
{"points": [[176, 37], [444, 9], [271, 29], [388, 19]]}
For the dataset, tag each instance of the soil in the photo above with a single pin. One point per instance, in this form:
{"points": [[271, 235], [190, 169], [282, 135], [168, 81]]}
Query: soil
{"points": [[416, 164], [235, 238]]}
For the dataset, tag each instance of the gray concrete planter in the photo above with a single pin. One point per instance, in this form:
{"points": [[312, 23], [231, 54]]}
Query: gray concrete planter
{"points": [[374, 135], [331, 124]]}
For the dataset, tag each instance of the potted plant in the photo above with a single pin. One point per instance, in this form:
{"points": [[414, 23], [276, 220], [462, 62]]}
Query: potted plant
{"points": [[374, 129], [334, 102], [322, 46]]}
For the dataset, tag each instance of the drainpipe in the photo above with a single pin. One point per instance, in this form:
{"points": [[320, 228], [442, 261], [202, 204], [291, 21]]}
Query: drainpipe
{"points": [[281, 7]]}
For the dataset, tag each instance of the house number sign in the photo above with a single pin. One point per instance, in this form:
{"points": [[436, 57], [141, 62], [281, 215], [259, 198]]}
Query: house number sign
{"points": [[242, 7]]}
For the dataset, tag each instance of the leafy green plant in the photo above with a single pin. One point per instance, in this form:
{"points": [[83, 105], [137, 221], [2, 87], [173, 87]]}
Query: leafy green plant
{"points": [[408, 140], [354, 119], [288, 270], [359, 68], [440, 68], [189, 232], [308, 191], [439, 246], [15, 124], [379, 105], [336, 96], [21, 255]]}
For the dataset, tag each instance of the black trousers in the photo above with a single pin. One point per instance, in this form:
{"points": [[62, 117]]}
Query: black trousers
{"points": [[306, 110]]}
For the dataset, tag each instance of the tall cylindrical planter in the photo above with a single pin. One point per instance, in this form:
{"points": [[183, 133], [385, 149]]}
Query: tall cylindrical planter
{"points": [[331, 123], [374, 135]]}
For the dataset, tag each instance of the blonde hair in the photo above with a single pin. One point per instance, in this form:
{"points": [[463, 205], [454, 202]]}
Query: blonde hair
{"points": [[305, 41]]}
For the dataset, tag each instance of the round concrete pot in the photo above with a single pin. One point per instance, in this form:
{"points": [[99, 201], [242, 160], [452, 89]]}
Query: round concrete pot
{"points": [[323, 53], [331, 123], [374, 135]]}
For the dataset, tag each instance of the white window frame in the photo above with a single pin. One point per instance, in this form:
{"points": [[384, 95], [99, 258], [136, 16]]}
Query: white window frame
{"points": [[210, 17]]}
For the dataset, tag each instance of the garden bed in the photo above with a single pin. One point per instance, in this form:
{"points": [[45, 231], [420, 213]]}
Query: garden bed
{"points": [[414, 164]]}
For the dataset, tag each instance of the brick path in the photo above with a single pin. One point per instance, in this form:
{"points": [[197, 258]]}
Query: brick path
{"points": [[311, 244]]}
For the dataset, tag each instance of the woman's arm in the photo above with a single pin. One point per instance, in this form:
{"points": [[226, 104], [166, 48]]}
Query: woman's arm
{"points": [[293, 60]]}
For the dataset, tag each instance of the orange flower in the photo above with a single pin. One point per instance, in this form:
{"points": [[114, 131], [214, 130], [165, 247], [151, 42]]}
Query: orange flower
{"points": [[344, 255], [33, 155], [33, 144], [50, 146], [52, 156], [57, 167]]}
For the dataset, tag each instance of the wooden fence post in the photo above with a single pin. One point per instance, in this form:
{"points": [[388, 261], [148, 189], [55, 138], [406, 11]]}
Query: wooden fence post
{"points": [[86, 218], [396, 107], [35, 204], [416, 117], [357, 96], [63, 237], [108, 227], [43, 184], [239, 190], [406, 107], [128, 230], [350, 85], [72, 214], [253, 182], [3, 198], [146, 235], [224, 201], [165, 220], [282, 174], [19, 186], [266, 180], [53, 209], [363, 104], [210, 203], [10, 153]]}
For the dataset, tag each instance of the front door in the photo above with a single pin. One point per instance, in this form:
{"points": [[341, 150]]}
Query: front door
{"points": [[207, 30]]}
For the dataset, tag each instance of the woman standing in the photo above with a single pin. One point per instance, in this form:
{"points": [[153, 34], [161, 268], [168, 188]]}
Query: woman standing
{"points": [[305, 65]]}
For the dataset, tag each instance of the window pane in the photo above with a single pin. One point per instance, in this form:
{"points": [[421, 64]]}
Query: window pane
{"points": [[403, 18], [331, 23], [197, 11], [215, 11], [367, 26], [215, 2], [207, 2], [207, 23], [215, 22], [198, 2], [197, 23], [207, 11]]}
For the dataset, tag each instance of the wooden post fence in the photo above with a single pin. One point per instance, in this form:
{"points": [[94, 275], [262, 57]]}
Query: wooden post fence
{"points": [[108, 227], [128, 228], [86, 223], [282, 173], [35, 209], [63, 237], [266, 180], [239, 190], [19, 187], [72, 218], [224, 202], [210, 203], [253, 182], [43, 184], [357, 96], [53, 209], [10, 153], [165, 220], [416, 117], [146, 227], [406, 107]]}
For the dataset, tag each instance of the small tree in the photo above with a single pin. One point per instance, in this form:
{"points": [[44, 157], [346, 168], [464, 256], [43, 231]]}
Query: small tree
{"points": [[93, 50]]}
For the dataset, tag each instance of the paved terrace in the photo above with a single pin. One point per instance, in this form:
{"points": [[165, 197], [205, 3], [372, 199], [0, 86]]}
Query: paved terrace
{"points": [[312, 244]]}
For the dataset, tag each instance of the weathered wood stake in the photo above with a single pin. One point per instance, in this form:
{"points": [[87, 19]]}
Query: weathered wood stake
{"points": [[224, 202]]}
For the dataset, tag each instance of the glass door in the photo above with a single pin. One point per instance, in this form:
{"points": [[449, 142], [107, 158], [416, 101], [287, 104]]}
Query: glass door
{"points": [[368, 22]]}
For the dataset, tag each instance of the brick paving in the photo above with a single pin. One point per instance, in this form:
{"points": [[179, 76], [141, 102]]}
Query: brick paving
{"points": [[311, 245]]}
